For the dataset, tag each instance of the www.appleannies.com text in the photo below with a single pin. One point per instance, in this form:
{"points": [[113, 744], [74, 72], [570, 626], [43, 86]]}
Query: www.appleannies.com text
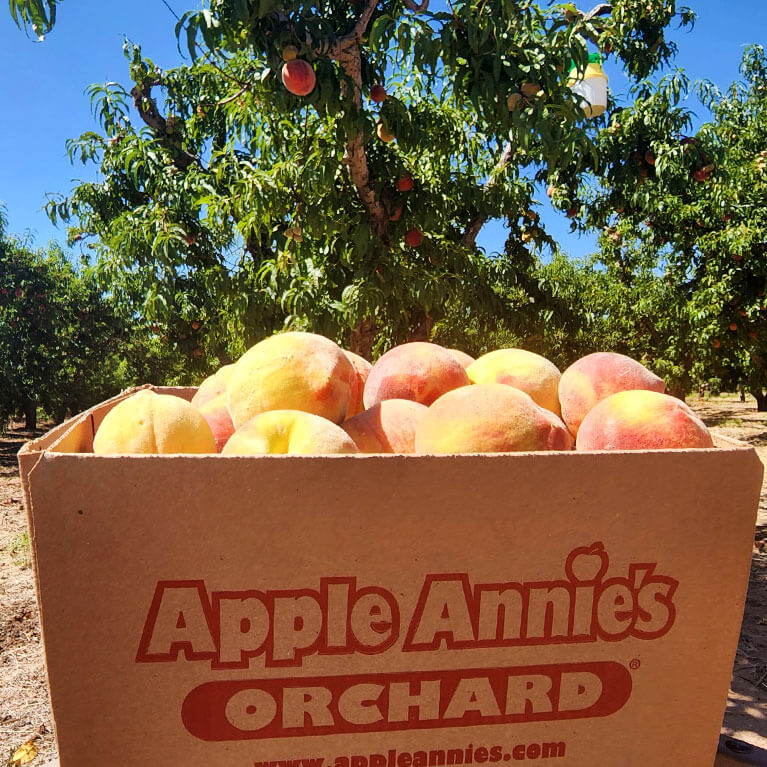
{"points": [[436, 757]]}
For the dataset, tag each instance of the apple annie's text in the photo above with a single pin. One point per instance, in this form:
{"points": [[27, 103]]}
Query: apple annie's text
{"points": [[229, 628]]}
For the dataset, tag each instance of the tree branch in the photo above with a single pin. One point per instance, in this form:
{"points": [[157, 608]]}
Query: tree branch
{"points": [[469, 236], [234, 97], [411, 5], [346, 51], [146, 106], [354, 37], [600, 10]]}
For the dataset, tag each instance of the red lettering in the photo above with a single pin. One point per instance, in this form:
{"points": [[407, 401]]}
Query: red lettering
{"points": [[656, 608], [275, 708], [442, 612], [179, 620], [231, 628], [616, 609]]}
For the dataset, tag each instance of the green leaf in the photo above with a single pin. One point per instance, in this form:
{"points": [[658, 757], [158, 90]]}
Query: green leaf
{"points": [[379, 28]]}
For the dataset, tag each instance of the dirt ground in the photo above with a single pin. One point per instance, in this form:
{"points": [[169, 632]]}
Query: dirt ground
{"points": [[24, 706]]}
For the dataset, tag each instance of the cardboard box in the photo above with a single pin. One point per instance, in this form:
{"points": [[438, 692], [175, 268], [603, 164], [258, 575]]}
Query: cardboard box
{"points": [[576, 609]]}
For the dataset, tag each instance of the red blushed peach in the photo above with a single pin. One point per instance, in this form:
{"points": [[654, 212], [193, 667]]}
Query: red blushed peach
{"points": [[291, 432], [212, 386], [642, 420], [298, 77], [291, 371], [595, 377], [388, 427], [462, 357], [418, 371], [489, 418], [216, 413], [361, 372], [523, 370]]}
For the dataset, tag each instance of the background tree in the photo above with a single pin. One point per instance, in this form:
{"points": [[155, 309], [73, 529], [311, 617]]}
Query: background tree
{"points": [[234, 208], [552, 310], [701, 203], [62, 347]]}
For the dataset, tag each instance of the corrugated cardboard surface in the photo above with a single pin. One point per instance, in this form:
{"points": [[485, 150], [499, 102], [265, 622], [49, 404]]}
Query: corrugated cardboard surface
{"points": [[205, 610]]}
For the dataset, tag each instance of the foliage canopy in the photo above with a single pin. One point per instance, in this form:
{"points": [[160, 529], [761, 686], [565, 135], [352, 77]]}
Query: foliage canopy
{"points": [[231, 208]]}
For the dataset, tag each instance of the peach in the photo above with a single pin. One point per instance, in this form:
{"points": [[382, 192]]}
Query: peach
{"points": [[462, 357], [595, 377], [419, 371], [405, 183], [378, 93], [361, 372], [642, 420], [489, 418], [291, 371], [148, 422], [212, 386], [298, 77], [413, 237], [216, 413], [384, 133], [289, 431], [388, 427], [523, 370]]}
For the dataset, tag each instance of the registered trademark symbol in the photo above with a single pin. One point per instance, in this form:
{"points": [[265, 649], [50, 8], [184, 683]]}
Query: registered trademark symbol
{"points": [[635, 664]]}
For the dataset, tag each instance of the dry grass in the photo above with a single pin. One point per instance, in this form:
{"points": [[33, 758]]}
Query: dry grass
{"points": [[24, 705]]}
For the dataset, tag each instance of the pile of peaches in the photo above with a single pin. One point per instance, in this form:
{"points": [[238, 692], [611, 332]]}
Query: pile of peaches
{"points": [[301, 393]]}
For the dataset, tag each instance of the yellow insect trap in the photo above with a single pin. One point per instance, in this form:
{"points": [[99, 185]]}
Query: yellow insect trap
{"points": [[591, 86]]}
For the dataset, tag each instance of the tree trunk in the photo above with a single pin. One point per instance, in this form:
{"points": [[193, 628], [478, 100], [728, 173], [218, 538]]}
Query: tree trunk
{"points": [[30, 414], [679, 390], [761, 400], [423, 327], [363, 337]]}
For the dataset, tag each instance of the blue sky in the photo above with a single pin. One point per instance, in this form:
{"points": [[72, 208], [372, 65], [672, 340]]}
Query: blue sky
{"points": [[44, 101]]}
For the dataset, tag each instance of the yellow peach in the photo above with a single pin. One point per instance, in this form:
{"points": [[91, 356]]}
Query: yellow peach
{"points": [[523, 370], [388, 427], [642, 420], [212, 386], [148, 422], [489, 418], [289, 431], [291, 371]]}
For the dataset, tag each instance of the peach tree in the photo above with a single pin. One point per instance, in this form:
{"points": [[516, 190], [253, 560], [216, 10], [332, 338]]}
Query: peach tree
{"points": [[701, 206], [329, 165]]}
